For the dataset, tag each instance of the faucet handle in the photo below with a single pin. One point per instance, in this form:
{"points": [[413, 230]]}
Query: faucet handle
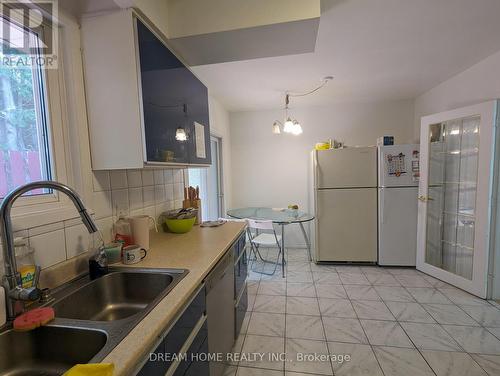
{"points": [[38, 270]]}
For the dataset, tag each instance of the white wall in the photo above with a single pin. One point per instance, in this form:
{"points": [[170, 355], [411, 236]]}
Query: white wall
{"points": [[220, 127], [271, 170], [479, 83]]}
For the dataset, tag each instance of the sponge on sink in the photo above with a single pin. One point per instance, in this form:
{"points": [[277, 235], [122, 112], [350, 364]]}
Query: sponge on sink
{"points": [[98, 369], [33, 319]]}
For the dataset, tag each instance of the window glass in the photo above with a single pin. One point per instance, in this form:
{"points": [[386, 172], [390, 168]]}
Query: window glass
{"points": [[24, 139]]}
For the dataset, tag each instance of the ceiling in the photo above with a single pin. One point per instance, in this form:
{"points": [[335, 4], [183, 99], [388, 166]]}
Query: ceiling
{"points": [[377, 50]]}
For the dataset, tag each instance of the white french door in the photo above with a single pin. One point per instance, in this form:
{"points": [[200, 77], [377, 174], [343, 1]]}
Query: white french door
{"points": [[457, 154]]}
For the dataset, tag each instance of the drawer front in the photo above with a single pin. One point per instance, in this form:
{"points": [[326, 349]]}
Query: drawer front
{"points": [[195, 362], [156, 364], [159, 362], [240, 312], [241, 265], [178, 335]]}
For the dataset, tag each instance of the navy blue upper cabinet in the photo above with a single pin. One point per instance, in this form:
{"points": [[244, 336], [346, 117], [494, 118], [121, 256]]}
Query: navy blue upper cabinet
{"points": [[172, 97]]}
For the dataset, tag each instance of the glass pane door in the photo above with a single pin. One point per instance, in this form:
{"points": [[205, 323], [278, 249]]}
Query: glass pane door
{"points": [[451, 201]]}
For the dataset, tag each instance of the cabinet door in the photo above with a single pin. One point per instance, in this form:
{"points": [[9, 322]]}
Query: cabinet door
{"points": [[196, 362], [172, 98]]}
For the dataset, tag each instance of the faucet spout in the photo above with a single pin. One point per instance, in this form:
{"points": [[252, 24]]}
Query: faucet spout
{"points": [[12, 279]]}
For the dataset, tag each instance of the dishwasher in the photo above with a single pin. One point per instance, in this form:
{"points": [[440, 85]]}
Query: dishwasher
{"points": [[220, 311]]}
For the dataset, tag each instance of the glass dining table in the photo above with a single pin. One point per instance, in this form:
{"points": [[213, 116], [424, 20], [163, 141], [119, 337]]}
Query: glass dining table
{"points": [[279, 216]]}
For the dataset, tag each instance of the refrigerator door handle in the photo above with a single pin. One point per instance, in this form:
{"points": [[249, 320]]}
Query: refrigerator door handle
{"points": [[382, 205]]}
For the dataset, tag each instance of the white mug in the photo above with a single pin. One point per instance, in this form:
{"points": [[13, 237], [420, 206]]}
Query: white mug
{"points": [[140, 229], [132, 254]]}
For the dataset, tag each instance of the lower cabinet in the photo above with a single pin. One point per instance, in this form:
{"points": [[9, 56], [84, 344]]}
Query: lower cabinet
{"points": [[187, 334], [184, 348]]}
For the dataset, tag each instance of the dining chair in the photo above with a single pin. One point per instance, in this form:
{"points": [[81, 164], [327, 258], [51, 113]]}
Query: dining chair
{"points": [[263, 236]]}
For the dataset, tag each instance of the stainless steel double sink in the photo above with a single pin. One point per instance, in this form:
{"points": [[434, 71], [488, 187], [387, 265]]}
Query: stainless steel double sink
{"points": [[92, 317]]}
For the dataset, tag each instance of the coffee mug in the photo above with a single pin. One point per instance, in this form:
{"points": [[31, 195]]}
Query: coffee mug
{"points": [[132, 254]]}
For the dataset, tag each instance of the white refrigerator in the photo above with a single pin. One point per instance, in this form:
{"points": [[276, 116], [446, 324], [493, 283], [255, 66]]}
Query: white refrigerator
{"points": [[344, 199], [399, 173]]}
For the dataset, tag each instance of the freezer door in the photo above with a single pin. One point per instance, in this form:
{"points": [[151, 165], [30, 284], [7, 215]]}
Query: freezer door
{"points": [[346, 225], [346, 168], [397, 226], [398, 165]]}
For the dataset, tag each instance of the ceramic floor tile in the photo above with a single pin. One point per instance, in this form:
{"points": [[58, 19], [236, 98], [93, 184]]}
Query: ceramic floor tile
{"points": [[289, 373], [462, 298], [430, 337], [328, 277], [361, 292], [397, 361], [304, 327], [303, 266], [296, 276], [495, 331], [362, 360], [427, 295], [251, 301], [322, 267], [403, 271], [269, 304], [382, 280], [486, 316], [271, 288], [436, 283], [412, 312], [267, 346], [247, 371], [267, 324], [296, 305], [372, 310], [394, 294], [386, 333], [253, 287], [348, 269], [295, 348], [449, 314], [349, 278], [331, 291], [366, 270], [412, 281], [301, 289], [336, 308], [490, 363], [452, 363], [344, 330], [474, 339]]}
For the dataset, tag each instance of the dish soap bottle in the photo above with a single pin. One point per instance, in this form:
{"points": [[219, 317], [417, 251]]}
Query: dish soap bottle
{"points": [[25, 262], [123, 230]]}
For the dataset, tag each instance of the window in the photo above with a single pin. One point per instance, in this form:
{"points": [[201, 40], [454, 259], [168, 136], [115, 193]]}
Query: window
{"points": [[25, 153], [32, 109]]}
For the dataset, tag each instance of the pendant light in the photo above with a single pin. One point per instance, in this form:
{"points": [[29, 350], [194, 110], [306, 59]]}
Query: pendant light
{"points": [[291, 125], [180, 132]]}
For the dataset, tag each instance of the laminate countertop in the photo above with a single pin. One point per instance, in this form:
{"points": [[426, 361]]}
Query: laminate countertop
{"points": [[197, 251]]}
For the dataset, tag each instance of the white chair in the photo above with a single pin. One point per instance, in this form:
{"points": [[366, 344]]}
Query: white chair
{"points": [[264, 236]]}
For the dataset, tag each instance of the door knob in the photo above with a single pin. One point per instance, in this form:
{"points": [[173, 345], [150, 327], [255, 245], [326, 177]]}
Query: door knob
{"points": [[425, 198]]}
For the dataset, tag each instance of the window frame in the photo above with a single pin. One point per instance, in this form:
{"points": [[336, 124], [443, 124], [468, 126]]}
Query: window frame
{"points": [[54, 206]]}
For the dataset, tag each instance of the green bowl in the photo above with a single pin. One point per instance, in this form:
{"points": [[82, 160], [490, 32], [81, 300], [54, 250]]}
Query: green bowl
{"points": [[180, 226]]}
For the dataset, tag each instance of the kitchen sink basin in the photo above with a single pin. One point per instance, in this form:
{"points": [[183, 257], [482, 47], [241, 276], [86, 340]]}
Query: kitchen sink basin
{"points": [[48, 350], [115, 296]]}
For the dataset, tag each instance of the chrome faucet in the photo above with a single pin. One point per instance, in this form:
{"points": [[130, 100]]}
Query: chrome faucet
{"points": [[12, 280]]}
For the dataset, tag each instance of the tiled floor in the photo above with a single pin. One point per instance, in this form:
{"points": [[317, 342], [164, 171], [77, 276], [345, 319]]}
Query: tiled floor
{"points": [[390, 321]]}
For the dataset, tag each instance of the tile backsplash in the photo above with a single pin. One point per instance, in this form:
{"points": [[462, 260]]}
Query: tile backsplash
{"points": [[136, 192]]}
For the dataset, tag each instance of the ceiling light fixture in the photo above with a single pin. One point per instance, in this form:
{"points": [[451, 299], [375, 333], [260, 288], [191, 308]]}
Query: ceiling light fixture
{"points": [[292, 125]]}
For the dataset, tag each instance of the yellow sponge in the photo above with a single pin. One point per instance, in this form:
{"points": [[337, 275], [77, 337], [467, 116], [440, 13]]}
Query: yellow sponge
{"points": [[98, 369]]}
